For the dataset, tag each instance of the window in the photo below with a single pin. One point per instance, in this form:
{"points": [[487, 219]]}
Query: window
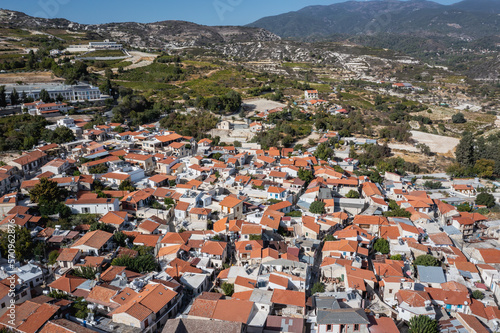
{"points": [[3, 305], [356, 327], [329, 328], [390, 291]]}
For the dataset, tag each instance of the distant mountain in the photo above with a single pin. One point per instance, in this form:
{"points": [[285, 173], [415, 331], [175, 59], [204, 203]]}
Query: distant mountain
{"points": [[469, 19], [483, 6], [157, 35]]}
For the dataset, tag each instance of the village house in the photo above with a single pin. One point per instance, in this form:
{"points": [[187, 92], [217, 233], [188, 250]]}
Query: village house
{"points": [[93, 205], [311, 94], [30, 162], [94, 243], [232, 208]]}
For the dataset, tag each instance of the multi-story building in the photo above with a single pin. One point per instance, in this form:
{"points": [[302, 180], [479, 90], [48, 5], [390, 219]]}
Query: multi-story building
{"points": [[72, 93]]}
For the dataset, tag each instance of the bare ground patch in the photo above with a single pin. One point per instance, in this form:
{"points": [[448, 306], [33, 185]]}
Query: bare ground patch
{"points": [[35, 77]]}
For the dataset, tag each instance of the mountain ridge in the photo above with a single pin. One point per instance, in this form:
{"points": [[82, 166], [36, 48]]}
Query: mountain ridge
{"points": [[388, 16], [166, 33]]}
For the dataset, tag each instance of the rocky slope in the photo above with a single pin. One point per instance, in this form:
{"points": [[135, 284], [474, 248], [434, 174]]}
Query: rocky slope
{"points": [[156, 35]]}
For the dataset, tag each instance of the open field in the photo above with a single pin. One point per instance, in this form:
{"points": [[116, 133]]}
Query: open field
{"points": [[437, 143], [261, 105], [32, 77]]}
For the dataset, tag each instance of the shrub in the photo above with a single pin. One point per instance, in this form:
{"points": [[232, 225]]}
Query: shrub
{"points": [[397, 257], [228, 289], [317, 207], [458, 118], [422, 324], [426, 260], [295, 213], [485, 199], [381, 245], [477, 294], [318, 287], [352, 194], [53, 257]]}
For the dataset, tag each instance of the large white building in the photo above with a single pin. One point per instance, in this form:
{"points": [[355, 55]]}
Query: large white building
{"points": [[72, 93], [92, 46]]}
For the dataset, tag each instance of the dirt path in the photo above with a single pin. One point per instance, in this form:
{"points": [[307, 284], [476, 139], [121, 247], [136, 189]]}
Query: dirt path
{"points": [[140, 59], [305, 141]]}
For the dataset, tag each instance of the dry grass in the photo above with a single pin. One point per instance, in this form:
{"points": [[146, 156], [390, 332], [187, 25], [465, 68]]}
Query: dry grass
{"points": [[34, 77]]}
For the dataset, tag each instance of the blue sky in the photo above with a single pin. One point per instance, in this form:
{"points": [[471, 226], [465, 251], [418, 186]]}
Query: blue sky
{"points": [[209, 12]]}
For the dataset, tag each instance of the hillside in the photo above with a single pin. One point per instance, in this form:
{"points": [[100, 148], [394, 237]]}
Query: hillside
{"points": [[166, 33], [463, 20]]}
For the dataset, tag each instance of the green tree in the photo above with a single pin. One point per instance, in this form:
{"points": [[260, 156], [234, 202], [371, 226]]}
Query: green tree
{"points": [[139, 264], [53, 257], [381, 245], [60, 135], [86, 272], [228, 288], [397, 257], [485, 199], [101, 226], [80, 308], [98, 169], [306, 175], [14, 97], [318, 287], [458, 118], [3, 97], [433, 185], [317, 207], [477, 294], [422, 324], [23, 245], [426, 260], [47, 190], [58, 295], [424, 149], [169, 202], [465, 207], [106, 87], [126, 185], [120, 238], [255, 237], [352, 194], [323, 152], [44, 96], [399, 212], [329, 238], [484, 168], [465, 151]]}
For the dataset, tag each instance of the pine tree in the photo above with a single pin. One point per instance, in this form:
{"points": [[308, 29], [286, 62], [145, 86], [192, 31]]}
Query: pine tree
{"points": [[423, 324], [465, 151], [3, 98], [24, 97], [44, 96], [14, 97]]}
